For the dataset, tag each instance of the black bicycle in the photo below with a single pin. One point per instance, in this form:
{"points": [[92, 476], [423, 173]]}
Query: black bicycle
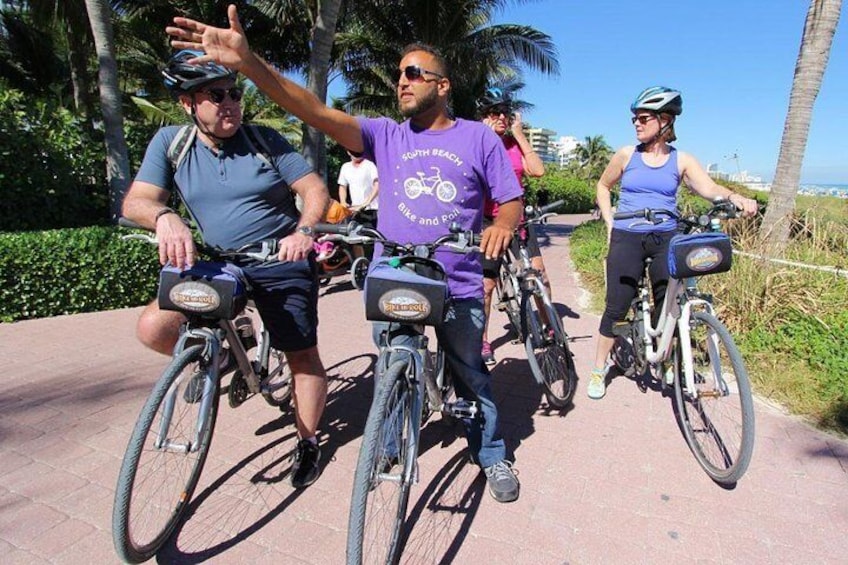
{"points": [[171, 439], [522, 295]]}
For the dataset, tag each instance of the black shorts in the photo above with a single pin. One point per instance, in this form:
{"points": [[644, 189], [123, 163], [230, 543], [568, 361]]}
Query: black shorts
{"points": [[286, 296]]}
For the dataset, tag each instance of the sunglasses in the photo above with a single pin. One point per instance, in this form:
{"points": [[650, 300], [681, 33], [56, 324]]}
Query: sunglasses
{"points": [[643, 119], [498, 110], [414, 73], [217, 95]]}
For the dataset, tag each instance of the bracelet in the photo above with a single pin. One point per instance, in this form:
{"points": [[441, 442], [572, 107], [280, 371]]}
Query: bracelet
{"points": [[162, 212]]}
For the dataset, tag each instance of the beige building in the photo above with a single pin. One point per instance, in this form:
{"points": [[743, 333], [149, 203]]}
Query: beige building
{"points": [[543, 142]]}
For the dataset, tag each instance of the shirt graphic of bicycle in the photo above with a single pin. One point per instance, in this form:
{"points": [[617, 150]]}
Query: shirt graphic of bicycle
{"points": [[414, 187]]}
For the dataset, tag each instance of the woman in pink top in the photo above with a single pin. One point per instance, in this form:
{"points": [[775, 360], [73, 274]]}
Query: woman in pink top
{"points": [[497, 111]]}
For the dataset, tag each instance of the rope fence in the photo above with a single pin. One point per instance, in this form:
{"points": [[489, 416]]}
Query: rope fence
{"points": [[840, 271]]}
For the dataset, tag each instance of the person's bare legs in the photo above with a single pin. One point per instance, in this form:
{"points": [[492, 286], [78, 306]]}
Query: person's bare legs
{"points": [[309, 391], [488, 291], [159, 329]]}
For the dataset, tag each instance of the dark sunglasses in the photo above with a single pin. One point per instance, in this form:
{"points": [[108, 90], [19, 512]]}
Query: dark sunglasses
{"points": [[217, 95], [414, 73], [643, 119], [498, 110]]}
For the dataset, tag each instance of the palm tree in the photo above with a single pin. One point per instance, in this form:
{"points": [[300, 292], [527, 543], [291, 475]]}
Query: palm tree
{"points": [[819, 27], [117, 159], [592, 156], [374, 34]]}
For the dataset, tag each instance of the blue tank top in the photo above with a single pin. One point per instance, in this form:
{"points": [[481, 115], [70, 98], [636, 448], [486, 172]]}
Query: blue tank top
{"points": [[643, 186]]}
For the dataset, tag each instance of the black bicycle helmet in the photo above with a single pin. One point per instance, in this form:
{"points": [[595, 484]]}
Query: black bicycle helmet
{"points": [[182, 77], [494, 97], [659, 99]]}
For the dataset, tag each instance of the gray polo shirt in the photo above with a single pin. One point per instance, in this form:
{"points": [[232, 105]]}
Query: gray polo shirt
{"points": [[235, 196]]}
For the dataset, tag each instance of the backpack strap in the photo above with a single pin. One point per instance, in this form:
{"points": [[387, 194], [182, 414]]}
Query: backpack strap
{"points": [[181, 145], [259, 145]]}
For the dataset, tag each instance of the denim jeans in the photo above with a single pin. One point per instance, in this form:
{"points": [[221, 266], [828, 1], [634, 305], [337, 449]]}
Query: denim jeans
{"points": [[461, 337]]}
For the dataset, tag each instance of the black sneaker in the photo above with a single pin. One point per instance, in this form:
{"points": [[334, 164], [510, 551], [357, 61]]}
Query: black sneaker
{"points": [[305, 470], [503, 484]]}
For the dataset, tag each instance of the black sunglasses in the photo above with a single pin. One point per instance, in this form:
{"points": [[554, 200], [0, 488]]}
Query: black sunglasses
{"points": [[643, 119], [217, 95], [498, 110], [414, 73]]}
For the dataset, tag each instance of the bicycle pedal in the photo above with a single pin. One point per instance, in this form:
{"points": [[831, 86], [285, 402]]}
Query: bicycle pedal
{"points": [[463, 409]]}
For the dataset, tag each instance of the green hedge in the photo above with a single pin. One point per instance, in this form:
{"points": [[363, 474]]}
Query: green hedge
{"points": [[578, 194], [68, 271]]}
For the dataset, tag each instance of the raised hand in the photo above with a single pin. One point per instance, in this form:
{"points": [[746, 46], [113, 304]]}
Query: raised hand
{"points": [[516, 124], [226, 47]]}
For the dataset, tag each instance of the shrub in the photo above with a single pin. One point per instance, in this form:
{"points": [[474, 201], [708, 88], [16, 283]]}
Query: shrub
{"points": [[579, 196], [52, 171], [73, 270]]}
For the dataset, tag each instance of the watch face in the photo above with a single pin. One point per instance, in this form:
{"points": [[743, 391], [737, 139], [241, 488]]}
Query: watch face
{"points": [[305, 230]]}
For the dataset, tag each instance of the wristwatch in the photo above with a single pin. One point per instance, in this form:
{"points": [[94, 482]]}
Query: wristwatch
{"points": [[306, 230]]}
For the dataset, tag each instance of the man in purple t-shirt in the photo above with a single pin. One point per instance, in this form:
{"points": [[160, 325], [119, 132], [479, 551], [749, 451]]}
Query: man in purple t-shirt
{"points": [[413, 158]]}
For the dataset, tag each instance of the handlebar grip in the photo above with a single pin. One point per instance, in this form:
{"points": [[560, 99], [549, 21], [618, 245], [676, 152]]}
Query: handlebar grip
{"points": [[628, 215], [125, 223], [551, 207], [340, 229]]}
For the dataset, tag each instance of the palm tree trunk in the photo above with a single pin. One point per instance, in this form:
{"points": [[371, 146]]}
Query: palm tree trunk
{"points": [[820, 25], [323, 33], [117, 159]]}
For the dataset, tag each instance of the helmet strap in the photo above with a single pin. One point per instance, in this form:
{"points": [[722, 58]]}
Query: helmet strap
{"points": [[662, 131], [219, 141]]}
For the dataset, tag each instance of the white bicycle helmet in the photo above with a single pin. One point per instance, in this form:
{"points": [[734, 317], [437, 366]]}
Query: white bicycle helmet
{"points": [[659, 99]]}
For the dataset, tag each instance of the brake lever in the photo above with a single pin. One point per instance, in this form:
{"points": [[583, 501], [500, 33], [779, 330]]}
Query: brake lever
{"points": [[151, 239]]}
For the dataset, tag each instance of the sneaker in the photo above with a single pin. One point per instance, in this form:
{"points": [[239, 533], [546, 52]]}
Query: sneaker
{"points": [[488, 355], [597, 384], [305, 470], [503, 484], [194, 389]]}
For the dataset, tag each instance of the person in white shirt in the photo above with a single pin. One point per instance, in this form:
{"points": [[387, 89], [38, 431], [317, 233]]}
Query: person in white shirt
{"points": [[358, 178]]}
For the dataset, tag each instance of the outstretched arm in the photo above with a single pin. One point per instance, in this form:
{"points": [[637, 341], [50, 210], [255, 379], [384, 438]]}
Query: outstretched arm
{"points": [[229, 47], [698, 180]]}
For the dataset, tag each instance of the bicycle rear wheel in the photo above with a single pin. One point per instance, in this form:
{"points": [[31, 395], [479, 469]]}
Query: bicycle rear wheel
{"points": [[381, 484], [508, 299], [548, 353], [158, 476], [717, 417], [277, 387]]}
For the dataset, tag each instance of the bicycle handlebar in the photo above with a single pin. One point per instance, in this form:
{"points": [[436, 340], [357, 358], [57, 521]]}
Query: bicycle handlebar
{"points": [[721, 209], [264, 251], [460, 241]]}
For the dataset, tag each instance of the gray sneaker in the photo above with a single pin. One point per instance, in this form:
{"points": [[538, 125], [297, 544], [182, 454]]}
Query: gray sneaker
{"points": [[503, 484], [597, 384]]}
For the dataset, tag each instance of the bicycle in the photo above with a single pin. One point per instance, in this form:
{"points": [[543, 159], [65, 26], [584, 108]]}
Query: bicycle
{"points": [[415, 187], [407, 288], [343, 257], [172, 436], [690, 349], [522, 295]]}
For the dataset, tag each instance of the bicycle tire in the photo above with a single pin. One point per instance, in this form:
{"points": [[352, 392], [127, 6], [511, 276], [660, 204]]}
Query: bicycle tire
{"points": [[508, 296], [380, 493], [548, 353], [155, 485], [277, 386], [718, 426]]}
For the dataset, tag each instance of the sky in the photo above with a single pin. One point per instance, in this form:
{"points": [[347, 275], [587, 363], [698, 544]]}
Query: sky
{"points": [[733, 61]]}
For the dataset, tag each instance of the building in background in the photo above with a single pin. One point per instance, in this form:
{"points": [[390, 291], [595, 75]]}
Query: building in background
{"points": [[564, 149], [543, 142]]}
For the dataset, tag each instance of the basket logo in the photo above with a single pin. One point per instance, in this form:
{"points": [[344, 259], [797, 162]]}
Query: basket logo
{"points": [[703, 258], [195, 296], [404, 304]]}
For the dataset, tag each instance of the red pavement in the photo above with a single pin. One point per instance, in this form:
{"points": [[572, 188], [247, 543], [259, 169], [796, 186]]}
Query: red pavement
{"points": [[609, 481]]}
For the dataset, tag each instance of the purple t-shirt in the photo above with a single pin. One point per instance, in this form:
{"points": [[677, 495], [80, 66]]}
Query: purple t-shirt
{"points": [[431, 178]]}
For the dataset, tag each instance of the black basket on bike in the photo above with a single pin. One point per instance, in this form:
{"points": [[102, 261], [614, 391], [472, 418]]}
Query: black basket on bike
{"points": [[406, 289], [208, 289], [694, 255]]}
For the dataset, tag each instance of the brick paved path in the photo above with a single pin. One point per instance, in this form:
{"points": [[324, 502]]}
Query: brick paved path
{"points": [[606, 482]]}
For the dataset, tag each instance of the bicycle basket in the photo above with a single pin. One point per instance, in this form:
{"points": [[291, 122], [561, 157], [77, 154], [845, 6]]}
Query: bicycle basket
{"points": [[406, 289], [208, 290], [699, 254]]}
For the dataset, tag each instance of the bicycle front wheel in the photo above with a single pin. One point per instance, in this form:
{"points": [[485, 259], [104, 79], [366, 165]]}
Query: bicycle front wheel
{"points": [[277, 387], [548, 353], [383, 473], [508, 300], [717, 413], [164, 458]]}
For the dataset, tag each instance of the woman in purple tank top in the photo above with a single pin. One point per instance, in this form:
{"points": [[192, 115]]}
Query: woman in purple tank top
{"points": [[650, 174]]}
